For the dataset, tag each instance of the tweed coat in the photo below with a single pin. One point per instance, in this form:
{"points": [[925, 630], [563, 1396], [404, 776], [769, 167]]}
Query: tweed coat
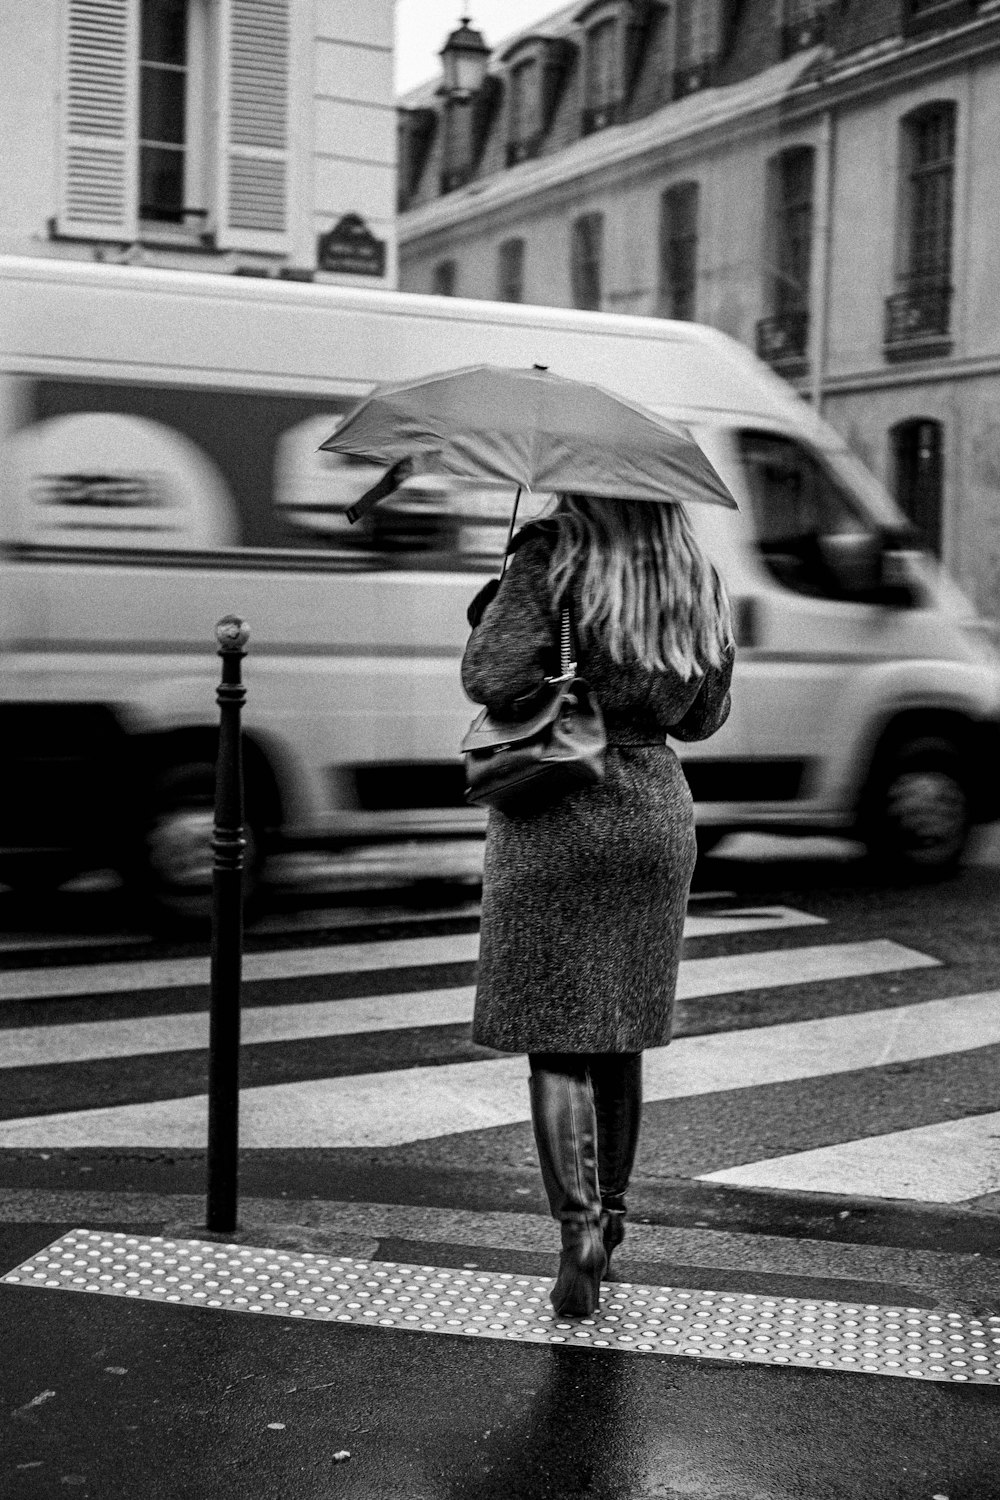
{"points": [[584, 901]]}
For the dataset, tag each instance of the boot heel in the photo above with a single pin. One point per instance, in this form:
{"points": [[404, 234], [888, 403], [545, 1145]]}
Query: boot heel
{"points": [[612, 1232], [582, 1263]]}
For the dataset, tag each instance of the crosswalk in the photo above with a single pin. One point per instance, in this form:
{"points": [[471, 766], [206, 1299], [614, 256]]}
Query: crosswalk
{"points": [[421, 1095], [810, 1066]]}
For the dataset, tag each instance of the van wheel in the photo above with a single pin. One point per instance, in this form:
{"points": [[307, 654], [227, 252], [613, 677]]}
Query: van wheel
{"points": [[174, 856], [918, 816]]}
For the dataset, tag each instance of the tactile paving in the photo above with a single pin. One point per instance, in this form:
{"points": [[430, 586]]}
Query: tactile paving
{"points": [[864, 1338]]}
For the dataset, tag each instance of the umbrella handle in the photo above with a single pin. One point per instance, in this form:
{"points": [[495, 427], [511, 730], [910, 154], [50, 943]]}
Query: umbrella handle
{"points": [[510, 532]]}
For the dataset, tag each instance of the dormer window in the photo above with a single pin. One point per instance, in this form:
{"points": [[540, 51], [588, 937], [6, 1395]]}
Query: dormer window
{"points": [[697, 42], [536, 66], [415, 130], [602, 89], [522, 124], [458, 159], [610, 29]]}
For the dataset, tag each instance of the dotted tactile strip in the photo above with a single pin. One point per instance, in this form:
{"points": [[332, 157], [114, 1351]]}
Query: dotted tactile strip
{"points": [[861, 1337]]}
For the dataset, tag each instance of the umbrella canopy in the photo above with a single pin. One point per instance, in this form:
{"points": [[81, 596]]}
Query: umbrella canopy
{"points": [[529, 428]]}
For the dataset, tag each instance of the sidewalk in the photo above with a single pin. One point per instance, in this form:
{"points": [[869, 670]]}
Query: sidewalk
{"points": [[121, 1396]]}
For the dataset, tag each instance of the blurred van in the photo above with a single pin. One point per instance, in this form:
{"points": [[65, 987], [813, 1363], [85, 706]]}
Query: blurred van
{"points": [[159, 437]]}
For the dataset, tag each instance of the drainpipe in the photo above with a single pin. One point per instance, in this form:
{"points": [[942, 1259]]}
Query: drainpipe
{"points": [[823, 242]]}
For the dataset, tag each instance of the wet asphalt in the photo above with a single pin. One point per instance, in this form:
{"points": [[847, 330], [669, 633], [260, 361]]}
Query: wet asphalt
{"points": [[104, 1397], [108, 1398]]}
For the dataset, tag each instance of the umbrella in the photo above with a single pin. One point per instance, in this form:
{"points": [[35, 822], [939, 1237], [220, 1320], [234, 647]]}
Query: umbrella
{"points": [[528, 428]]}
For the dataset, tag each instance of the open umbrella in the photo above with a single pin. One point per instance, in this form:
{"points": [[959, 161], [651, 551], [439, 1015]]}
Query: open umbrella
{"points": [[528, 428]]}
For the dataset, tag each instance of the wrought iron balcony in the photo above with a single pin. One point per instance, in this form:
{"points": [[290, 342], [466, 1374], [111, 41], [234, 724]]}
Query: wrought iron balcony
{"points": [[783, 341], [918, 321]]}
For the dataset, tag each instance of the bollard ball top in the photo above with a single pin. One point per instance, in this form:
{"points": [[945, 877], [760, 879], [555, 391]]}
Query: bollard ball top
{"points": [[232, 633]]}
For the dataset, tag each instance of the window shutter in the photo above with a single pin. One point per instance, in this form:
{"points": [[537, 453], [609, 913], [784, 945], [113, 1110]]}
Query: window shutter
{"points": [[252, 175], [98, 186]]}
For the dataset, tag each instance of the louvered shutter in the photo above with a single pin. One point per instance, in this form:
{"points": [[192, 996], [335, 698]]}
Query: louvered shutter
{"points": [[98, 186], [253, 208]]}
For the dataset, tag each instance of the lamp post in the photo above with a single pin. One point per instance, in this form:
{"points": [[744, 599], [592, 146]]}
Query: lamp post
{"points": [[464, 57]]}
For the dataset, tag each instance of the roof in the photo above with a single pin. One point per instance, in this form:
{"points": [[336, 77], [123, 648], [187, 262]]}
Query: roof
{"points": [[619, 144]]}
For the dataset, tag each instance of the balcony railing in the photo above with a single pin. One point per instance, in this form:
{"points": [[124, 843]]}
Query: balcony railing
{"points": [[783, 341], [918, 322]]}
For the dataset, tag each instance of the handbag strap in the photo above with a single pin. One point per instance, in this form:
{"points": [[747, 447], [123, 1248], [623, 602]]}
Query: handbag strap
{"points": [[567, 656], [567, 662]]}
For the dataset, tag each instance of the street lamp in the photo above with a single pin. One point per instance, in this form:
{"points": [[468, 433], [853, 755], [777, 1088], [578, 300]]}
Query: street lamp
{"points": [[464, 57]]}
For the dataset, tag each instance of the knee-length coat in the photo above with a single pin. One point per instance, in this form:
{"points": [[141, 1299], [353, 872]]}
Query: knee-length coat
{"points": [[584, 902]]}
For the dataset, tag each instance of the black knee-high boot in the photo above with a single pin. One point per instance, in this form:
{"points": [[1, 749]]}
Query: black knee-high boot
{"points": [[562, 1113], [617, 1084]]}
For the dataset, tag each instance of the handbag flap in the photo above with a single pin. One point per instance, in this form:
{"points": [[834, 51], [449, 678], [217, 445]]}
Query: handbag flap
{"points": [[487, 733]]}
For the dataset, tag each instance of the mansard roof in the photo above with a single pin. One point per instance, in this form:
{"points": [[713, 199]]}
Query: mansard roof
{"points": [[758, 58], [612, 150]]}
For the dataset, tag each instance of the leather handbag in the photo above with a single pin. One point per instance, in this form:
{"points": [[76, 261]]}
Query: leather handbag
{"points": [[523, 765]]}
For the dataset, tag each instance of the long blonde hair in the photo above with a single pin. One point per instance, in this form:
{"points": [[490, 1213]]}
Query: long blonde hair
{"points": [[647, 588]]}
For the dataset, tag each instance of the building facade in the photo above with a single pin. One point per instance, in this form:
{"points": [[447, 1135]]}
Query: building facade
{"points": [[248, 136], [818, 178]]}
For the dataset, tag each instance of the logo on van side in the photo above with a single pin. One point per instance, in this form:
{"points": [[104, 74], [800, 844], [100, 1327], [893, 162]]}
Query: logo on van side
{"points": [[105, 491]]}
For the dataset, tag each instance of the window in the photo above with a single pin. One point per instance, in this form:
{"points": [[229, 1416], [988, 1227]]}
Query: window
{"points": [[929, 152], [457, 164], [601, 75], [415, 130], [678, 250], [444, 280], [163, 90], [918, 470], [523, 124], [510, 271], [586, 244], [812, 536], [536, 70], [602, 67], [918, 315], [792, 229], [783, 336], [696, 44], [160, 100]]}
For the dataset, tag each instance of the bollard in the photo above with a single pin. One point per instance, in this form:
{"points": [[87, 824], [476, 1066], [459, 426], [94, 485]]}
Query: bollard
{"points": [[227, 935]]}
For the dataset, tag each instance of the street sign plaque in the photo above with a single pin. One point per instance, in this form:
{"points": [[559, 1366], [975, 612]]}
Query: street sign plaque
{"points": [[350, 248]]}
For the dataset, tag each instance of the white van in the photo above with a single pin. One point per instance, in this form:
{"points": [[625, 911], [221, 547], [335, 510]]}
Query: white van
{"points": [[160, 469]]}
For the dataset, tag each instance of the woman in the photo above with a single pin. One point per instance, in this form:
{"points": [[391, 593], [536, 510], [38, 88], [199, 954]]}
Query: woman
{"points": [[584, 900]]}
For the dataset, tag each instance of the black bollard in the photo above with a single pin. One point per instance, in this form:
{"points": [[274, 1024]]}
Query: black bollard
{"points": [[227, 935]]}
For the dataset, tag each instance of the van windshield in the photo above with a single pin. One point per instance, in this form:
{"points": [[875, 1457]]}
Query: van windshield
{"points": [[865, 488], [818, 530]]}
